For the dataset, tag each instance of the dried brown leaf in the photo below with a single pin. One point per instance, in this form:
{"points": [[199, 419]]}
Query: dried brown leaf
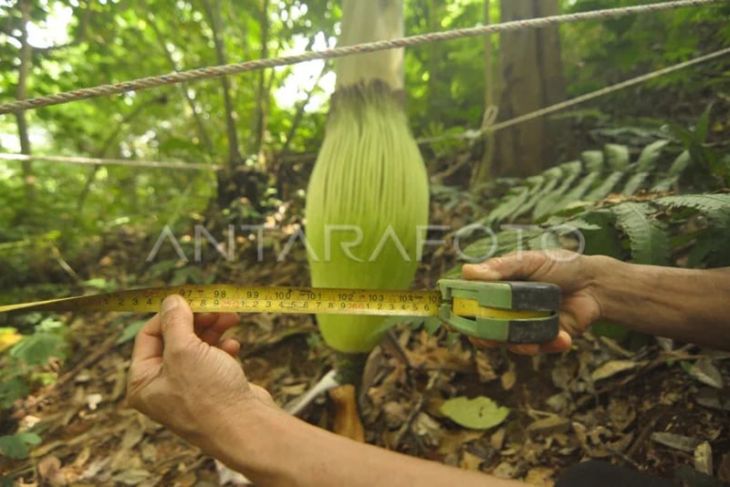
{"points": [[509, 378], [678, 442], [703, 458], [549, 425], [611, 368]]}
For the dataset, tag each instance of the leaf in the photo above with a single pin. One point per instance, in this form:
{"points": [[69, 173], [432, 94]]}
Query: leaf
{"points": [[650, 154], [479, 413], [552, 179], [12, 390], [130, 331], [634, 184], [16, 446], [577, 223], [714, 206], [680, 164], [605, 188], [549, 425], [604, 240], [678, 442], [617, 156], [611, 368], [509, 205], [37, 348], [571, 170], [647, 236], [703, 125], [431, 325], [704, 371], [577, 193], [593, 160], [99, 283], [536, 198]]}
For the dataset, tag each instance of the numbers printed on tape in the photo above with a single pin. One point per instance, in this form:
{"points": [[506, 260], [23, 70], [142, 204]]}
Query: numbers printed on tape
{"points": [[246, 299]]}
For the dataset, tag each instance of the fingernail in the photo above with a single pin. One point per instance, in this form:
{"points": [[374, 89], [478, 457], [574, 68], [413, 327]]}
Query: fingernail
{"points": [[170, 303]]}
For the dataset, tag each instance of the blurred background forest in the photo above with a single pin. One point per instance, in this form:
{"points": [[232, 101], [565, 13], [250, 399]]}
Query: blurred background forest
{"points": [[272, 122], [249, 143]]}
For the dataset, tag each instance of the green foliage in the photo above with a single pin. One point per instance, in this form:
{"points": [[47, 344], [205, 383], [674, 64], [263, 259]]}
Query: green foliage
{"points": [[681, 33], [47, 342], [479, 413], [647, 236], [18, 446], [23, 364], [130, 331], [619, 207]]}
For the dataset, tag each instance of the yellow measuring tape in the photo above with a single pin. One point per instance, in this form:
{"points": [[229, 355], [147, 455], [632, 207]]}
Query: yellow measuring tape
{"points": [[258, 299]]}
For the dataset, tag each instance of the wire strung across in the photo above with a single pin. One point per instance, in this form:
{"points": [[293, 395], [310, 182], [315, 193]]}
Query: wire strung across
{"points": [[217, 71]]}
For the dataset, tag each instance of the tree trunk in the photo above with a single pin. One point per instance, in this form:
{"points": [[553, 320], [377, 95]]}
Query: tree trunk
{"points": [[22, 94], [236, 180], [262, 92], [532, 79], [194, 109], [483, 172]]}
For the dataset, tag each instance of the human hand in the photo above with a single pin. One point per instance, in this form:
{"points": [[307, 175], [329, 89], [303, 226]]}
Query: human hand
{"points": [[575, 274], [185, 376]]}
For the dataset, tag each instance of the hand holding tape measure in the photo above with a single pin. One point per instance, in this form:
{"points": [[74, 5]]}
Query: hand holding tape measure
{"points": [[510, 312]]}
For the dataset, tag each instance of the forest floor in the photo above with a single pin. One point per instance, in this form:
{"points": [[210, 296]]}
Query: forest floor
{"points": [[659, 407]]}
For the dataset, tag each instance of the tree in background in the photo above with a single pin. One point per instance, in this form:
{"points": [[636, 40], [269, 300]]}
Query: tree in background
{"points": [[532, 79]]}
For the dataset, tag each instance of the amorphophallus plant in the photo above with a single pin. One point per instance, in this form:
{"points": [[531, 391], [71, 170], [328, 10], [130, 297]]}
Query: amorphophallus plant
{"points": [[368, 194]]}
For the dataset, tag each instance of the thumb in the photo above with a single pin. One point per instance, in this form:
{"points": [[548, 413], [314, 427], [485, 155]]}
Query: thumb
{"points": [[176, 320], [514, 266]]}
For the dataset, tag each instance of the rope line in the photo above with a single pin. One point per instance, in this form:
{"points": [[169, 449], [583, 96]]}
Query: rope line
{"points": [[94, 161], [469, 134], [223, 70], [475, 134]]}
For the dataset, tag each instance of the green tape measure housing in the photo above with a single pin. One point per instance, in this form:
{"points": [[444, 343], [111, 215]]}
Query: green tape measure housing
{"points": [[516, 296]]}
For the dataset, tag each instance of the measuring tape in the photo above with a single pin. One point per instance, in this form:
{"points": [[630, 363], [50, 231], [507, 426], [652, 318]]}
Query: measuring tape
{"points": [[516, 312]]}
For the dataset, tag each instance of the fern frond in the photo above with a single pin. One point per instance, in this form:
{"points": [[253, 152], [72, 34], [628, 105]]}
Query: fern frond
{"points": [[647, 236], [680, 164], [670, 180], [635, 183], [571, 170], [713, 206], [510, 205], [577, 193], [650, 154], [605, 188], [593, 160], [617, 156], [552, 179]]}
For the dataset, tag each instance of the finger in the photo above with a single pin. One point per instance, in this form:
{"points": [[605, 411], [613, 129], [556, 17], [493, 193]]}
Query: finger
{"points": [[204, 320], [148, 342], [231, 347], [224, 321], [569, 323], [176, 321], [517, 265], [525, 349], [478, 342], [562, 343]]}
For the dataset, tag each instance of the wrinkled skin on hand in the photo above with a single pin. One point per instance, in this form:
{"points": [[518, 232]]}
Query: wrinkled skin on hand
{"points": [[184, 375], [575, 274]]}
